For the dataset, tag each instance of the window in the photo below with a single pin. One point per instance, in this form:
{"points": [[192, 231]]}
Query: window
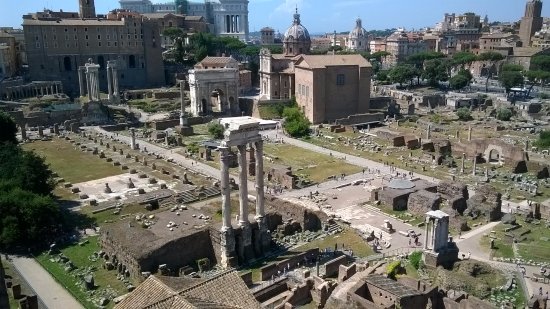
{"points": [[307, 91], [45, 44], [340, 79], [99, 44], [99, 36], [108, 43], [86, 36], [37, 44], [67, 63], [132, 62], [86, 29]]}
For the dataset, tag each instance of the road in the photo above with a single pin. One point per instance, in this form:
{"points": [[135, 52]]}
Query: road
{"points": [[52, 294]]}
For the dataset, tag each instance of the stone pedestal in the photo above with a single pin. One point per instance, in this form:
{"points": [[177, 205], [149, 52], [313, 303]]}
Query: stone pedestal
{"points": [[245, 248], [227, 242]]}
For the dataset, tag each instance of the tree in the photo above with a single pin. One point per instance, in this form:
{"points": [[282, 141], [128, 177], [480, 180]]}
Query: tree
{"points": [[541, 62], [436, 70], [492, 58], [401, 73], [215, 129], [28, 219], [296, 124], [463, 58], [544, 140], [382, 76], [173, 33], [8, 128], [510, 76], [536, 76], [504, 114], [25, 170], [458, 82], [464, 114]]}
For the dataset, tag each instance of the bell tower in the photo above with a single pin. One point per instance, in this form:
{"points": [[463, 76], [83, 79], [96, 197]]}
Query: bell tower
{"points": [[87, 8]]}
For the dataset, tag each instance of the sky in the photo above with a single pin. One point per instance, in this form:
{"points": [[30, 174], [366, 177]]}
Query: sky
{"points": [[318, 16]]}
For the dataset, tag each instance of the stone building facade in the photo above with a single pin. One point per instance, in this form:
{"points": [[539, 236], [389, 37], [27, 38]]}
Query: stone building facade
{"points": [[214, 86], [330, 87], [58, 43], [326, 87], [400, 45], [228, 17], [188, 24]]}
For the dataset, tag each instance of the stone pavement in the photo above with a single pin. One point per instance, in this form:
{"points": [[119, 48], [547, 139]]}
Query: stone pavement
{"points": [[52, 294]]}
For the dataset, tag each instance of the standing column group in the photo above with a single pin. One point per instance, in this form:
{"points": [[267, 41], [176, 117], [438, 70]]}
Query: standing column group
{"points": [[246, 248]]}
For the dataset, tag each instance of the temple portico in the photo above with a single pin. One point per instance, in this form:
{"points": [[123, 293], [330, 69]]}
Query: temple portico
{"points": [[240, 133], [439, 249]]}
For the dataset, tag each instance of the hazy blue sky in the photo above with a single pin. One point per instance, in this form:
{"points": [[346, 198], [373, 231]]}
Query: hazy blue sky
{"points": [[317, 15]]}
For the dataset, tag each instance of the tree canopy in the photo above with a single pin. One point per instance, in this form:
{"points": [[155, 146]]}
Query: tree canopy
{"points": [[510, 76], [215, 129], [8, 128], [435, 71], [296, 124], [402, 73], [464, 113]]}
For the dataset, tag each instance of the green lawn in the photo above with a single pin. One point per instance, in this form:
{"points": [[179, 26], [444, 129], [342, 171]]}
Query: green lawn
{"points": [[315, 166], [533, 245], [73, 165], [79, 255], [348, 237]]}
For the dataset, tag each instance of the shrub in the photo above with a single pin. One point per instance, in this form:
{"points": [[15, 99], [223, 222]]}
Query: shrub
{"points": [[504, 114], [415, 258], [296, 124], [393, 269], [543, 140], [464, 113], [193, 147], [215, 129]]}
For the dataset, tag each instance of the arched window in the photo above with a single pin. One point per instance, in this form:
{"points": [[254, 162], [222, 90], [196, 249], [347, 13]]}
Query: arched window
{"points": [[101, 61], [132, 62], [67, 63]]}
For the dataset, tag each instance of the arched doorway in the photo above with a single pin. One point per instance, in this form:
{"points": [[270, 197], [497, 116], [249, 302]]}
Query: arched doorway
{"points": [[204, 106], [67, 63], [216, 100], [132, 62], [494, 156], [232, 106]]}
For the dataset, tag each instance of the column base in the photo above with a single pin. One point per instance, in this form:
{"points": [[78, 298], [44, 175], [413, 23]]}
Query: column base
{"points": [[245, 248], [264, 235], [227, 242]]}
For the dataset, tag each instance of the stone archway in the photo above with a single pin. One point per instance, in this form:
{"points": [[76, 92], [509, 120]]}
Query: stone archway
{"points": [[204, 106], [494, 156], [217, 100]]}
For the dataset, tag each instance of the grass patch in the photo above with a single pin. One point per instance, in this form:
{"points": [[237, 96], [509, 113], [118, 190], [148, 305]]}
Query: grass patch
{"points": [[348, 238], [273, 110], [73, 165], [314, 166], [79, 255]]}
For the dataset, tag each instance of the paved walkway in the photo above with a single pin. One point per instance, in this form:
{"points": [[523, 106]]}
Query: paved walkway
{"points": [[179, 159], [44, 285]]}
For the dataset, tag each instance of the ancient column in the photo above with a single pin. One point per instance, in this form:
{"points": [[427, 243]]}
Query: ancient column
{"points": [[23, 131], [426, 233], [463, 159], [89, 85], [259, 153], [469, 133], [243, 187], [182, 102], [109, 83], [133, 139], [434, 229], [526, 145], [227, 239], [40, 131], [429, 132], [457, 134], [475, 165], [114, 72], [55, 129]]}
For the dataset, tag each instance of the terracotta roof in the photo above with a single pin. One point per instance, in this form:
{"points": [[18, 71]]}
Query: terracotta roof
{"points": [[218, 60], [226, 289], [151, 291], [323, 61]]}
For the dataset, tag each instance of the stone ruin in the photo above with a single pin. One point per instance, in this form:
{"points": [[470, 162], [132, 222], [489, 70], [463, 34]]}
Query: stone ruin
{"points": [[487, 201]]}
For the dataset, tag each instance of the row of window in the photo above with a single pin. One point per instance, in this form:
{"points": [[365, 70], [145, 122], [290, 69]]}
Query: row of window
{"points": [[68, 45], [114, 29], [87, 37]]}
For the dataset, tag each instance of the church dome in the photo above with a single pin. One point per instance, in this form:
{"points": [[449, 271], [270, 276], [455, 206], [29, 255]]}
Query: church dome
{"points": [[358, 31], [297, 32]]}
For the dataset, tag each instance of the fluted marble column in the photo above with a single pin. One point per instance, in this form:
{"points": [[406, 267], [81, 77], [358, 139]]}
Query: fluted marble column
{"points": [[243, 186]]}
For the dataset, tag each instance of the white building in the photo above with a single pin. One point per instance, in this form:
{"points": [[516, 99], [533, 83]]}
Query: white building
{"points": [[229, 17], [214, 86]]}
